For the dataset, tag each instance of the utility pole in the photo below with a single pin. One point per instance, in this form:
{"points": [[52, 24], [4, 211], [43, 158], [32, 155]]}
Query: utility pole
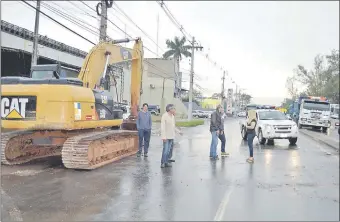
{"points": [[237, 100], [193, 47], [222, 90], [36, 36], [103, 21]]}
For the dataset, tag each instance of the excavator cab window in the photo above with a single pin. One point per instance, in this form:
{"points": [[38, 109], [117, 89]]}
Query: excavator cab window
{"points": [[44, 74]]}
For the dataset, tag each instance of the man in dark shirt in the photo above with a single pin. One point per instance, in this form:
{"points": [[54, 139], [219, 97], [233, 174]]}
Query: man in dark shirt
{"points": [[215, 129]]}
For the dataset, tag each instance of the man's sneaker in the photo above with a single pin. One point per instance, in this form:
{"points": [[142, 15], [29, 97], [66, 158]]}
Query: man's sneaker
{"points": [[171, 160], [168, 165], [145, 155], [138, 154], [224, 154], [162, 165]]}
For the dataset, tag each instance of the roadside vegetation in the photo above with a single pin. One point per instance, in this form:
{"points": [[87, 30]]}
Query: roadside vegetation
{"points": [[181, 122], [192, 123]]}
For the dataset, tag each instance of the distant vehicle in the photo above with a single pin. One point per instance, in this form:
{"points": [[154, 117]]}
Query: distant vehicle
{"points": [[154, 109], [242, 114], [198, 114], [126, 111], [206, 114], [272, 124], [315, 112], [335, 111]]}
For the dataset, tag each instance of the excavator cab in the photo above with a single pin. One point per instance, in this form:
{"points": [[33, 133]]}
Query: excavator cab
{"points": [[52, 71]]}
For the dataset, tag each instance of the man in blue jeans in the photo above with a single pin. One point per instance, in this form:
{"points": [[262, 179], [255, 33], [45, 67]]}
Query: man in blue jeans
{"points": [[144, 124], [215, 130], [168, 129]]}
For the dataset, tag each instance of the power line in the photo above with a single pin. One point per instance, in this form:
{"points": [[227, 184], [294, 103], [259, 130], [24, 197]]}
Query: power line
{"points": [[72, 19], [147, 35], [58, 23], [152, 65], [174, 20]]}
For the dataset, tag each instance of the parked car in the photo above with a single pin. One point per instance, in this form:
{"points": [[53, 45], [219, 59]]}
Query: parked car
{"points": [[154, 109], [126, 112], [241, 114]]}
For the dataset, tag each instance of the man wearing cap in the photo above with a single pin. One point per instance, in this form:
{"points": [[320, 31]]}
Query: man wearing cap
{"points": [[168, 129]]}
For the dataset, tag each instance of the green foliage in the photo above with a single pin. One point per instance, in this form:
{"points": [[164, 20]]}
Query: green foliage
{"points": [[322, 80], [192, 123], [177, 48], [245, 98]]}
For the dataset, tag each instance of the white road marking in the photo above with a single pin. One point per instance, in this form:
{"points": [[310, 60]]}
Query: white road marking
{"points": [[223, 205]]}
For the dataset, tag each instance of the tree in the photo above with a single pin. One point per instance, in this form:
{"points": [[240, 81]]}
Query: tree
{"points": [[291, 87], [177, 49], [245, 98], [323, 79], [196, 95]]}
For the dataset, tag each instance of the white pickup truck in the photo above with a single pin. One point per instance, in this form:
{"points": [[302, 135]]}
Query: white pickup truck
{"points": [[272, 124]]}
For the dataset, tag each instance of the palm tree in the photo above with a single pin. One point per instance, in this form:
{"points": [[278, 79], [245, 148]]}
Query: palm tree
{"points": [[177, 49]]}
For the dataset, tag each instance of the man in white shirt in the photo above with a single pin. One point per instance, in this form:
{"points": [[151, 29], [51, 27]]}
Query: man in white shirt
{"points": [[173, 143], [168, 129]]}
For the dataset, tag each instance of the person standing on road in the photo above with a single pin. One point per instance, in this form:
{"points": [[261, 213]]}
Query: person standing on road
{"points": [[144, 125], [221, 136], [167, 133], [251, 124], [215, 128], [172, 146]]}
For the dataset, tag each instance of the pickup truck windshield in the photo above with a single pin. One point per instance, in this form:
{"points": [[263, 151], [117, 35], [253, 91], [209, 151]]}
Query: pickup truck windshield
{"points": [[272, 115], [320, 106]]}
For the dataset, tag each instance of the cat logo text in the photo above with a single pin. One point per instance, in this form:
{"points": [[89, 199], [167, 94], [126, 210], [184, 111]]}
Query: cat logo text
{"points": [[13, 108]]}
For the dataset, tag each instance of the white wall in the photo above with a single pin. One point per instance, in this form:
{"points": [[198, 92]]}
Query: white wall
{"points": [[15, 42]]}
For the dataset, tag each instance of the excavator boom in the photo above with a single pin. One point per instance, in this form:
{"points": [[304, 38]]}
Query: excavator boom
{"points": [[107, 53]]}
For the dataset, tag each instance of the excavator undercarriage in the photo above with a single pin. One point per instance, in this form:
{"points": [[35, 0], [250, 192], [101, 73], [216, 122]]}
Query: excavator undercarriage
{"points": [[83, 149]]}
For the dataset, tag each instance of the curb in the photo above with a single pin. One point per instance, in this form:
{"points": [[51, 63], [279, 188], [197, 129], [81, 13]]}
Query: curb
{"points": [[320, 140]]}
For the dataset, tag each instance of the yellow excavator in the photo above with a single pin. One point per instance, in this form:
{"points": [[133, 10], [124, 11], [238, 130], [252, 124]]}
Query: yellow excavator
{"points": [[50, 114]]}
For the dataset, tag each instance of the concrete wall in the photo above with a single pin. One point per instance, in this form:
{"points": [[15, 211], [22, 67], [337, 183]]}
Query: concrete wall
{"points": [[15, 42], [157, 71]]}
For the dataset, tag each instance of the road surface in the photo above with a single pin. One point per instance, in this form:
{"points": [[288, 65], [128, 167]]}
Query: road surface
{"points": [[284, 183]]}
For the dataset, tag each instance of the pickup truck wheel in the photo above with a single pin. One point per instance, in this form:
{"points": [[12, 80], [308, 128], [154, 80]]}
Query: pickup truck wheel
{"points": [[244, 133], [300, 126], [324, 129], [270, 142], [292, 141], [262, 140]]}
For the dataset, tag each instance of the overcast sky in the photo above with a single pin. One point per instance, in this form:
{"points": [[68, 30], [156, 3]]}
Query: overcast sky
{"points": [[258, 43]]}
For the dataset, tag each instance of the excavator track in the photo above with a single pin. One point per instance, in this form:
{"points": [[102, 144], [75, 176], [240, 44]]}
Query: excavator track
{"points": [[92, 150], [18, 148]]}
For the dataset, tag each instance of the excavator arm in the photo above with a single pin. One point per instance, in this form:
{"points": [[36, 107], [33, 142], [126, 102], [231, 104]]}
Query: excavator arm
{"points": [[107, 53]]}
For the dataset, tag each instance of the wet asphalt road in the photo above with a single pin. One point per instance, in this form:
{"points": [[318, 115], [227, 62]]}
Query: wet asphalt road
{"points": [[284, 183]]}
